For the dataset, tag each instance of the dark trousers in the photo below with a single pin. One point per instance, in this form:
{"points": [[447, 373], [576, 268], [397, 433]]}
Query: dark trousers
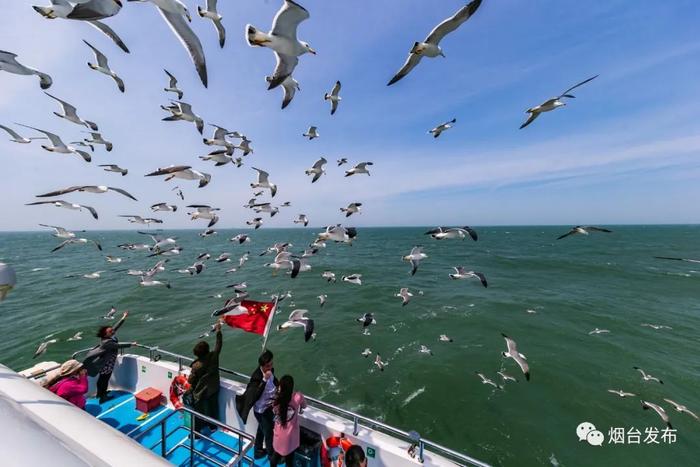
{"points": [[266, 425], [277, 458], [208, 406], [103, 384]]}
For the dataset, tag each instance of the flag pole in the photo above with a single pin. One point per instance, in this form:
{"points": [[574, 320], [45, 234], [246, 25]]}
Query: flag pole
{"points": [[269, 322]]}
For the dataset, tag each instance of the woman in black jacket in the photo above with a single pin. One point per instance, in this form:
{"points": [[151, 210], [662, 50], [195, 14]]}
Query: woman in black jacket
{"points": [[100, 360], [204, 380]]}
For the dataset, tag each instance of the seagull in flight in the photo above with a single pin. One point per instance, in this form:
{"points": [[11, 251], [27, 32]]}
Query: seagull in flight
{"points": [[43, 346], [141, 220], [282, 39], [598, 331], [583, 230], [263, 181], [441, 233], [164, 207], [16, 138], [621, 393], [96, 138], [367, 319], [329, 276], [298, 318], [404, 295], [302, 219], [70, 113], [81, 241], [103, 67], [342, 161], [114, 168], [59, 203], [317, 169], [215, 17], [333, 97], [9, 63], [430, 46], [172, 85], [360, 168], [184, 172], [682, 408], [60, 232], [311, 133], [290, 86], [86, 189], [183, 111], [512, 352], [59, 146], [646, 376], [415, 257], [552, 104], [351, 209], [659, 411], [485, 380], [437, 131], [460, 273], [352, 279]]}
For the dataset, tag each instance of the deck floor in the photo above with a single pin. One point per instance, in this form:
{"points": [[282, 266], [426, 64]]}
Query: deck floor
{"points": [[120, 413]]}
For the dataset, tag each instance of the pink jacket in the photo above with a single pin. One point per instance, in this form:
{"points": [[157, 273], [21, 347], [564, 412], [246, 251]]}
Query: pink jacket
{"points": [[286, 438], [72, 389]]}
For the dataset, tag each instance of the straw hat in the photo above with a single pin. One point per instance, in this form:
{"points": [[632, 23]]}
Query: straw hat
{"points": [[70, 367]]}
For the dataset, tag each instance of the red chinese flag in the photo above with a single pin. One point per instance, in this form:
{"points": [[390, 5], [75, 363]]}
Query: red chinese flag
{"points": [[255, 320]]}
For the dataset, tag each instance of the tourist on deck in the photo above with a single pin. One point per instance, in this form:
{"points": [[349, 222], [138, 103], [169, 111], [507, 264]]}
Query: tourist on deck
{"points": [[286, 408], [204, 380], [259, 395], [100, 360], [355, 457], [71, 383]]}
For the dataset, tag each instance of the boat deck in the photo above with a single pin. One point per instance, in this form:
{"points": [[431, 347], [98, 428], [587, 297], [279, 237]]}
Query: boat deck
{"points": [[120, 413]]}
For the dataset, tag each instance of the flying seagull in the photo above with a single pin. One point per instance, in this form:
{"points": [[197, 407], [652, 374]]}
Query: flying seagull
{"points": [[351, 209], [9, 63], [415, 257], [485, 380], [302, 219], [659, 411], [70, 113], [360, 168], [380, 364], [317, 169], [115, 168], [329, 276], [598, 331], [164, 207], [341, 161], [16, 138], [76, 337], [257, 222], [322, 299], [59, 232], [437, 131], [519, 358], [184, 172], [90, 10], [552, 104], [183, 111], [311, 133], [682, 408], [81, 241], [405, 296], [43, 346], [215, 17], [66, 205], [353, 279], [441, 233], [96, 138], [176, 15], [282, 39], [583, 230], [57, 145], [621, 393], [430, 46], [298, 318], [203, 211], [264, 182], [367, 319], [460, 273], [333, 97], [337, 233], [141, 220], [103, 67], [172, 85], [646, 376], [506, 377], [87, 189], [445, 338]]}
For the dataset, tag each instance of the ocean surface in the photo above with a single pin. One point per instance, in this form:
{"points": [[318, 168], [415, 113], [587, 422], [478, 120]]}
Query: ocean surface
{"points": [[546, 294]]}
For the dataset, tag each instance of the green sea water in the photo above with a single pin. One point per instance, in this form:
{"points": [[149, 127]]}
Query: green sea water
{"points": [[570, 287]]}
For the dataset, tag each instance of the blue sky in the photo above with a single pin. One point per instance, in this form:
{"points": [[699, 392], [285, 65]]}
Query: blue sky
{"points": [[625, 151]]}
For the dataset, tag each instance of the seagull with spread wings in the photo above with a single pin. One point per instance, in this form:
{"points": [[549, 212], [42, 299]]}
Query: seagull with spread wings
{"points": [[552, 104]]}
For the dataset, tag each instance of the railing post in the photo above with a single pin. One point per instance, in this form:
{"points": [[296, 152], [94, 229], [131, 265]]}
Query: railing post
{"points": [[150, 354], [162, 437], [355, 427], [179, 364], [192, 416], [421, 447]]}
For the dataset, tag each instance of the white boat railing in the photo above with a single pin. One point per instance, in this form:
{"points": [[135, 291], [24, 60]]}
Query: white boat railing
{"points": [[155, 353]]}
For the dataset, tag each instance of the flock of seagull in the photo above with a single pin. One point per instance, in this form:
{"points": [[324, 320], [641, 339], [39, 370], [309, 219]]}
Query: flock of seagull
{"points": [[287, 49]]}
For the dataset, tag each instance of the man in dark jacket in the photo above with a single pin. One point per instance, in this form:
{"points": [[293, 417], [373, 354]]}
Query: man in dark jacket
{"points": [[204, 379], [101, 359], [259, 395]]}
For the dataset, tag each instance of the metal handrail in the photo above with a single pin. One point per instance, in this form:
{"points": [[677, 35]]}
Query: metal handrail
{"points": [[237, 457], [154, 353]]}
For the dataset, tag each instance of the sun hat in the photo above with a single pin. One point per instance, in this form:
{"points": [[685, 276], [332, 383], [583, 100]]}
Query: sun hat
{"points": [[70, 367]]}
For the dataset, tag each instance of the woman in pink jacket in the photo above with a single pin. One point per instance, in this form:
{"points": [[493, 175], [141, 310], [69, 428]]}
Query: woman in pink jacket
{"points": [[72, 384], [286, 408]]}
